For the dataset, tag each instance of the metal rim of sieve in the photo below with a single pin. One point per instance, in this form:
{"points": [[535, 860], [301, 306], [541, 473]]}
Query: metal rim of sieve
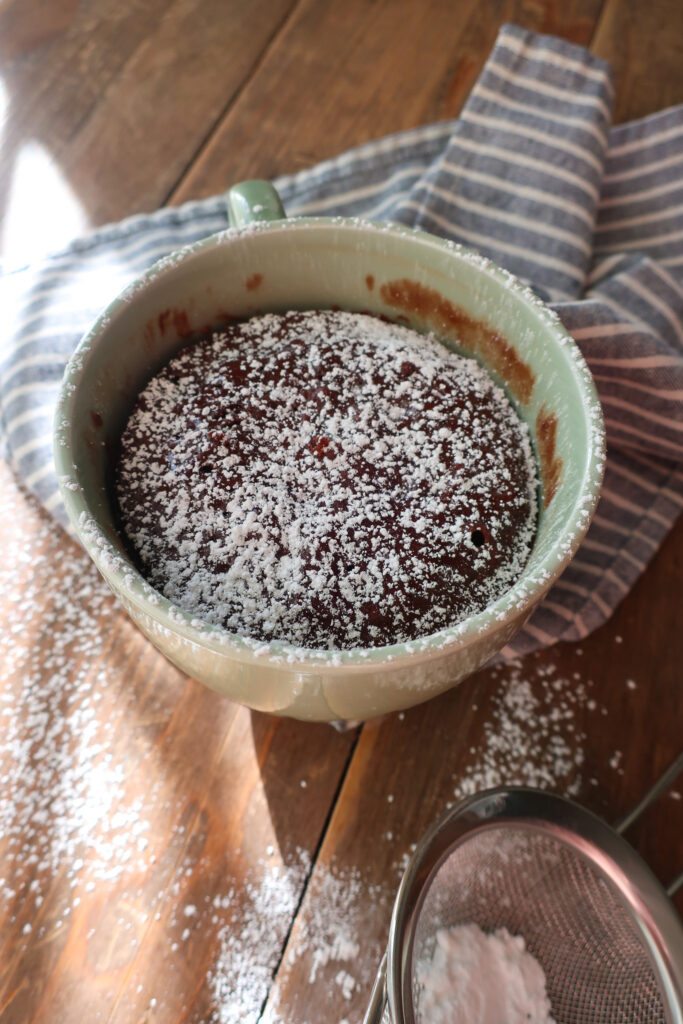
{"points": [[637, 889]]}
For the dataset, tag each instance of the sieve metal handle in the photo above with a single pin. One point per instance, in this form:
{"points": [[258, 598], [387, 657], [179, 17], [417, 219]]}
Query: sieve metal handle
{"points": [[660, 786], [674, 886], [378, 997]]}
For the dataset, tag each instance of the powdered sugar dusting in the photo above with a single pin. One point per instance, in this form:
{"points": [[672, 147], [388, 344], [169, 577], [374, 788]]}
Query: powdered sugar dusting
{"points": [[533, 736], [54, 770], [330, 941], [250, 940], [329, 480], [487, 978], [72, 840], [63, 809]]}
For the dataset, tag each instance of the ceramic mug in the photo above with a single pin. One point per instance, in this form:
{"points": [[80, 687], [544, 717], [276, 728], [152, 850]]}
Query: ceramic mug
{"points": [[264, 263]]}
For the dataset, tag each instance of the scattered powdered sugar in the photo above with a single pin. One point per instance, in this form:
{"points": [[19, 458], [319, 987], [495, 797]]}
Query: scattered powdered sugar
{"points": [[330, 941], [251, 938], [69, 832], [63, 807], [60, 780], [329, 934], [327, 479], [532, 736], [346, 983], [484, 978]]}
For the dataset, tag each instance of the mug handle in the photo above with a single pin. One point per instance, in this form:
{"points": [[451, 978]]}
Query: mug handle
{"points": [[251, 201]]}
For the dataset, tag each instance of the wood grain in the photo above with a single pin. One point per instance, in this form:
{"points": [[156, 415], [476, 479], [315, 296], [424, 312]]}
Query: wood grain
{"points": [[605, 722], [215, 793], [644, 46], [347, 72], [122, 98], [165, 855]]}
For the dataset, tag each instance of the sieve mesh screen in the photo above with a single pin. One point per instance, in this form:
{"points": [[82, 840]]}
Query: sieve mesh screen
{"points": [[574, 922]]}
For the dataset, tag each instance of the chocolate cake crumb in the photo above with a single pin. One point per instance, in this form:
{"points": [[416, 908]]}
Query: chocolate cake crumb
{"points": [[327, 479]]}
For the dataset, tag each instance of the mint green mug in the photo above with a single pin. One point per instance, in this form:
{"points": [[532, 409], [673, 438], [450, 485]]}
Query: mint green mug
{"points": [[266, 263]]}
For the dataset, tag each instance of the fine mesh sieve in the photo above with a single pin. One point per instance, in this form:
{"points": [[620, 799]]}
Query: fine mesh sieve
{"points": [[590, 911]]}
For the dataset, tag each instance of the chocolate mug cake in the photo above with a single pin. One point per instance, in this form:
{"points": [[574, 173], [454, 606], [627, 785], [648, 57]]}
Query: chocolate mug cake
{"points": [[328, 479]]}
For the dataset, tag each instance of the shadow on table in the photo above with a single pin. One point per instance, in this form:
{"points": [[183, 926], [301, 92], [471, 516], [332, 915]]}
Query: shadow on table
{"points": [[302, 766]]}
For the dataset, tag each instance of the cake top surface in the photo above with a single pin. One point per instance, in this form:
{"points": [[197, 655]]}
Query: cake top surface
{"points": [[327, 479]]}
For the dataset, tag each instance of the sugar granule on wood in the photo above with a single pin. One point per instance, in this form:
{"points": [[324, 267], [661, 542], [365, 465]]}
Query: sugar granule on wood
{"points": [[531, 738], [62, 805], [61, 781], [250, 939], [329, 946]]}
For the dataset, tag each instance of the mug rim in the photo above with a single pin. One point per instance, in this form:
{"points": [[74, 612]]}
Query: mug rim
{"points": [[132, 586]]}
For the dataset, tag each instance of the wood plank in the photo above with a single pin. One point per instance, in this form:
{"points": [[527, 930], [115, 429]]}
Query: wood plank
{"points": [[345, 72], [130, 794], [189, 815], [105, 113], [573, 719], [339, 933], [658, 837], [56, 65], [162, 107], [644, 45]]}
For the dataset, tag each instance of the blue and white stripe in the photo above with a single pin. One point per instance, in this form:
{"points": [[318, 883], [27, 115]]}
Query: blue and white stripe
{"points": [[531, 174]]}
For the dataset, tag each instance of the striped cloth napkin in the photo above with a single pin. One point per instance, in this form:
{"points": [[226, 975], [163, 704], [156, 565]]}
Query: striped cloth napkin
{"points": [[532, 175]]}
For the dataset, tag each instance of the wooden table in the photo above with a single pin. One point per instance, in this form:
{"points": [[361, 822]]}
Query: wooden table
{"points": [[164, 854]]}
